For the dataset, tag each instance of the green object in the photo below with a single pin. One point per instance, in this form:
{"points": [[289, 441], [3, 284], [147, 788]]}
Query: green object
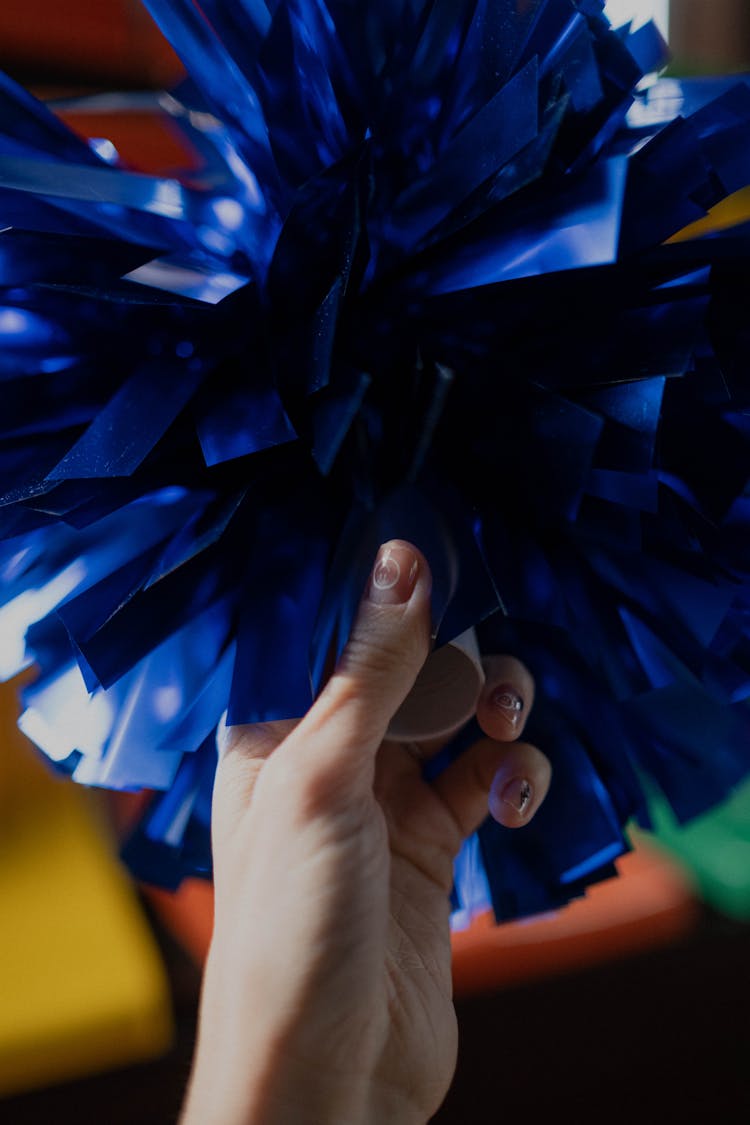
{"points": [[715, 850]]}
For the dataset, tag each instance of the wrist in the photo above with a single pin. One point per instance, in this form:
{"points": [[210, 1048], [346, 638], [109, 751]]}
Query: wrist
{"points": [[247, 1071], [279, 1098], [246, 1074], [293, 1102], [234, 1085], [391, 1106]]}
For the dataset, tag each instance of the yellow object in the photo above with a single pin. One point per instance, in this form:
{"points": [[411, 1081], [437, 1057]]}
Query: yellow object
{"points": [[82, 986], [732, 211]]}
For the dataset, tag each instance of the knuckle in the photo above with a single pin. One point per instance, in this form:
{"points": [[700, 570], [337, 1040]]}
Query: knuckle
{"points": [[366, 655], [506, 666], [325, 788], [342, 694]]}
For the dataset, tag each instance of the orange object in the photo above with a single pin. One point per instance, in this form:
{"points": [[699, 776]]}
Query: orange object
{"points": [[650, 905], [145, 139], [112, 41], [188, 914]]}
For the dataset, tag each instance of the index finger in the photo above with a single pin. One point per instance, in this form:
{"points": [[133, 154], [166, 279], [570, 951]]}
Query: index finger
{"points": [[507, 698]]}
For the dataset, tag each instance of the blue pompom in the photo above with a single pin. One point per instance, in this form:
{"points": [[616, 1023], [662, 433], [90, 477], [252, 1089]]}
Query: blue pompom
{"points": [[434, 275]]}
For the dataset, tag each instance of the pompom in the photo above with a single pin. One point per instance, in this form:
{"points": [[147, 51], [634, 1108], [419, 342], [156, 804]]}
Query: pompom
{"points": [[439, 271]]}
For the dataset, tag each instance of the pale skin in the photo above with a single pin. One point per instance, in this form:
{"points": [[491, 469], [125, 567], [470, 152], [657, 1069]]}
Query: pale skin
{"points": [[327, 994]]}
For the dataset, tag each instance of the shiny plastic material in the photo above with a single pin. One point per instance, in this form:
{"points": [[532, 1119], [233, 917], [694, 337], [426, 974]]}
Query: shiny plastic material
{"points": [[431, 271]]}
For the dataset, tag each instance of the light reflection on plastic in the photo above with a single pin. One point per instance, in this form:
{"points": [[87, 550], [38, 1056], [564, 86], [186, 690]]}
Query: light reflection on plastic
{"points": [[470, 876], [620, 11], [15, 565], [240, 170], [13, 322], [663, 103], [30, 606], [229, 213], [606, 855], [104, 149], [167, 701], [186, 280], [172, 494], [67, 718], [20, 328], [167, 200]]}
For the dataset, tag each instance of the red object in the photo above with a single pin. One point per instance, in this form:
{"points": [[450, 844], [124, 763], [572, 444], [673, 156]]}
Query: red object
{"points": [[145, 141], [112, 41]]}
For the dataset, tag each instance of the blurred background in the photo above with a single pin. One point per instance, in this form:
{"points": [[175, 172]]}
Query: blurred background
{"points": [[629, 1007]]}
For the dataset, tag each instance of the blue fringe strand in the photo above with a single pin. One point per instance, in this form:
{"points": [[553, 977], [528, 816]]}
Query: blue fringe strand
{"points": [[424, 281]]}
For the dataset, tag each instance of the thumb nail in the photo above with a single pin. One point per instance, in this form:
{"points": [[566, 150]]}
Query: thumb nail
{"points": [[394, 575]]}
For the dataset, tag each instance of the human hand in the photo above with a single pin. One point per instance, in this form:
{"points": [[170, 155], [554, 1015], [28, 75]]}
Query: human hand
{"points": [[327, 994]]}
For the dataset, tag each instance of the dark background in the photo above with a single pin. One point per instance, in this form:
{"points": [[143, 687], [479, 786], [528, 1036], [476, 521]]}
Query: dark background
{"points": [[656, 1039]]}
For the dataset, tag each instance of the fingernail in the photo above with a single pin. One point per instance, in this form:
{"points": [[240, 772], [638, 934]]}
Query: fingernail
{"points": [[394, 575], [509, 703], [518, 793]]}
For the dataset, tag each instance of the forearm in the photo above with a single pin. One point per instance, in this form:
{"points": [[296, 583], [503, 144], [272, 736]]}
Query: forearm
{"points": [[245, 1074], [270, 1099], [231, 1085], [293, 1101]]}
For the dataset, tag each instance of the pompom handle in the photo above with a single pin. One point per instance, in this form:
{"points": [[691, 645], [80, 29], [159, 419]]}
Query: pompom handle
{"points": [[445, 694]]}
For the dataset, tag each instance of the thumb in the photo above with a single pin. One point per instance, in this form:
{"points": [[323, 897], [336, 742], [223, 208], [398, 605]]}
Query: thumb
{"points": [[388, 645]]}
